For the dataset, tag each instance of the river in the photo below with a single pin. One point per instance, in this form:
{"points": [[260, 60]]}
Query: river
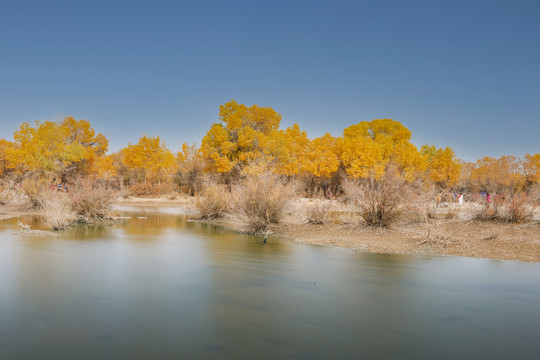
{"points": [[160, 287]]}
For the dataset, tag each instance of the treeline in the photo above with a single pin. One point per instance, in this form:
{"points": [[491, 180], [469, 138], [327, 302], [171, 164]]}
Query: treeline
{"points": [[249, 141]]}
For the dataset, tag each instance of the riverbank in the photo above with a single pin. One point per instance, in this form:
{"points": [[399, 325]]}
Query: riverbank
{"points": [[451, 232]]}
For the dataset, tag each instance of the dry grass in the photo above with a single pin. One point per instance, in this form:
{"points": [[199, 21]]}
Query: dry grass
{"points": [[259, 202], [213, 203]]}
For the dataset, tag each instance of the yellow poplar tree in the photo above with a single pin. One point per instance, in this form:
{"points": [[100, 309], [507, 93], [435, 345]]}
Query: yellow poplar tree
{"points": [[288, 148], [44, 147], [241, 136], [96, 145], [5, 148], [531, 168], [149, 159], [322, 157], [443, 167], [390, 143]]}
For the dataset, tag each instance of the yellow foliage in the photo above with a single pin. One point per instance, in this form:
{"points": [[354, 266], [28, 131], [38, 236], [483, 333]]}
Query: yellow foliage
{"points": [[381, 141], [54, 147], [288, 149], [45, 147], [494, 174], [531, 168], [363, 157], [149, 158], [103, 167], [5, 148], [322, 157], [241, 138], [443, 167]]}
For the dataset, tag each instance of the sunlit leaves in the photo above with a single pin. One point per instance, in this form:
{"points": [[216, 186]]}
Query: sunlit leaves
{"points": [[443, 167], [149, 158]]}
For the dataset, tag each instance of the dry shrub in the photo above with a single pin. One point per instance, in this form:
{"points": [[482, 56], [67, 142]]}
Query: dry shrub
{"points": [[318, 212], [213, 202], [7, 194], [91, 201], [259, 202], [451, 214], [7, 190], [514, 208], [37, 191], [381, 201], [520, 208], [57, 213], [150, 189], [488, 212]]}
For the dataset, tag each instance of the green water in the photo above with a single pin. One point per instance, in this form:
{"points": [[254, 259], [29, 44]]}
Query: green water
{"points": [[165, 288]]}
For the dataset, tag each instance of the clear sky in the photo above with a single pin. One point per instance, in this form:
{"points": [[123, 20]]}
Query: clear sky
{"points": [[464, 74]]}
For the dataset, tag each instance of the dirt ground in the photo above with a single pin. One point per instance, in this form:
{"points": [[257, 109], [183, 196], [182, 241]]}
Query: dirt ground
{"points": [[444, 235], [452, 237]]}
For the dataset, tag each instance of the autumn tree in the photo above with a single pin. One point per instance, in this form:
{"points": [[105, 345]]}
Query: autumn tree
{"points": [[443, 167], [370, 146], [288, 150], [6, 147], [56, 148], [240, 137], [494, 175], [531, 168], [149, 160], [45, 148], [96, 145], [191, 166]]}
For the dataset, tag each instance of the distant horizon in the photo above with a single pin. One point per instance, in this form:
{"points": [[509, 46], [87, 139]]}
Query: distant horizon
{"points": [[464, 76]]}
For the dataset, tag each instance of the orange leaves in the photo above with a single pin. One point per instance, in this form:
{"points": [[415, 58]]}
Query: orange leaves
{"points": [[56, 147], [322, 156], [443, 166], [370, 146], [362, 157], [495, 174], [531, 168], [241, 138], [150, 158], [46, 147], [6, 147]]}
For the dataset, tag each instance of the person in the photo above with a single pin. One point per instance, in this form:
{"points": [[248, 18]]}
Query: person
{"points": [[487, 198], [460, 199]]}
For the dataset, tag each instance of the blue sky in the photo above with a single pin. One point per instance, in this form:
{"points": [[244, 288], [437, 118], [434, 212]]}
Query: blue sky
{"points": [[464, 74]]}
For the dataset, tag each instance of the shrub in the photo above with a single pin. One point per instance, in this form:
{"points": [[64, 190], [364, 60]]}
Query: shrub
{"points": [[150, 189], [513, 208], [213, 202], [258, 202], [91, 201], [519, 208], [57, 213], [381, 201], [318, 212], [7, 191]]}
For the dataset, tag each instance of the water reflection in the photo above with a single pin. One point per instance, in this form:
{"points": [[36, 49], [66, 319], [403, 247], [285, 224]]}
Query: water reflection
{"points": [[162, 287]]}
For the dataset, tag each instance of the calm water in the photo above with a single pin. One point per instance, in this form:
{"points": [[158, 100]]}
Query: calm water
{"points": [[164, 288]]}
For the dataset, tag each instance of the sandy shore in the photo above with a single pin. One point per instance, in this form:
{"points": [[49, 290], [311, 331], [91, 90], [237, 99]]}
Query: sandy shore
{"points": [[458, 236]]}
